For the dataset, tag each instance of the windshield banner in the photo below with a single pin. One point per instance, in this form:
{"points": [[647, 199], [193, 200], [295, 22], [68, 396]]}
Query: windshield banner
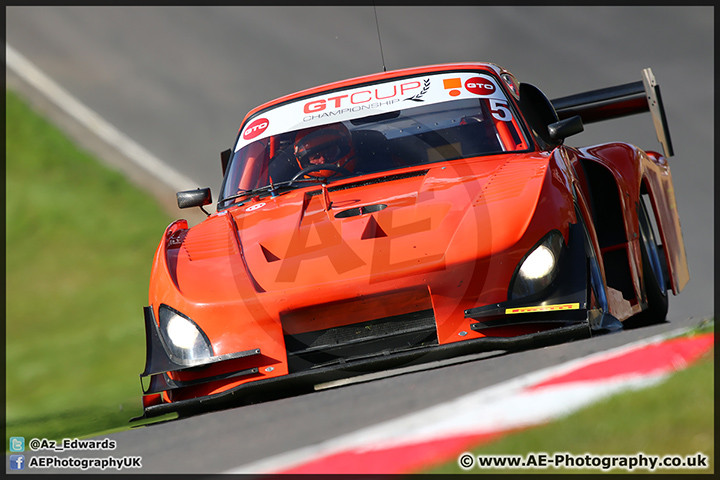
{"points": [[369, 100]]}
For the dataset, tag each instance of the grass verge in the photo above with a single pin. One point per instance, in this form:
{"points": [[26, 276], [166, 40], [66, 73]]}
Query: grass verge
{"points": [[79, 245], [675, 417]]}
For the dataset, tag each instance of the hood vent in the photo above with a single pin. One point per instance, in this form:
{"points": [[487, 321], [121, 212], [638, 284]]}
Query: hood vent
{"points": [[372, 181], [357, 211], [373, 230], [211, 239], [269, 256]]}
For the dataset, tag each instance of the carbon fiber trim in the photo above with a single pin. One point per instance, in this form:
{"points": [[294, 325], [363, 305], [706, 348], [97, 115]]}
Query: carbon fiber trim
{"points": [[162, 382]]}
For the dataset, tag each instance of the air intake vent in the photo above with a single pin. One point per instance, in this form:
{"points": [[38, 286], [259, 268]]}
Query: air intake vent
{"points": [[360, 340], [211, 239]]}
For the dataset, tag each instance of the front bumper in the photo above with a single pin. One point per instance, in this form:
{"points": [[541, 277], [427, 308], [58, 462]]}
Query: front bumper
{"points": [[563, 309]]}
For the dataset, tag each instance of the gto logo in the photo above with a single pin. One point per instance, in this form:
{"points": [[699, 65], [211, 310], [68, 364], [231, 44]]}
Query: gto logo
{"points": [[479, 86], [257, 127]]}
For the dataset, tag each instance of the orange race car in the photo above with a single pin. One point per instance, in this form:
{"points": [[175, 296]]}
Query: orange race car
{"points": [[403, 217]]}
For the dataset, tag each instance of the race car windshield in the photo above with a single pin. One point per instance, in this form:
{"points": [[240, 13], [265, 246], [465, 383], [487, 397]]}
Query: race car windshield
{"points": [[417, 135]]}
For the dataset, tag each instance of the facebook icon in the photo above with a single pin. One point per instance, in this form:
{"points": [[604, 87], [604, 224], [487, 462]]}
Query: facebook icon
{"points": [[17, 462]]}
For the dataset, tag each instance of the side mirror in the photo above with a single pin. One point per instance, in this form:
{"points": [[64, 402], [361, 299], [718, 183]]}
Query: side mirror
{"points": [[564, 128], [195, 198]]}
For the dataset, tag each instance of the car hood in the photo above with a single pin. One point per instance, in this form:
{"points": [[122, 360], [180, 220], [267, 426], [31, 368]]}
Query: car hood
{"points": [[385, 225], [376, 229]]}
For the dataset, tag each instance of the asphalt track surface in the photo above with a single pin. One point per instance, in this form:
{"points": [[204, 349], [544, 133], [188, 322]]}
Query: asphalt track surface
{"points": [[178, 81]]}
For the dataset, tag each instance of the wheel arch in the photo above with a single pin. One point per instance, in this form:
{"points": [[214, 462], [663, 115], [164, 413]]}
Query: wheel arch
{"points": [[607, 201]]}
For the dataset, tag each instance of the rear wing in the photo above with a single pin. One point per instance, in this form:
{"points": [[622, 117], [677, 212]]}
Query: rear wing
{"points": [[620, 101]]}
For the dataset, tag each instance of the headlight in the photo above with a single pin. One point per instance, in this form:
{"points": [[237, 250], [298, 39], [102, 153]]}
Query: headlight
{"points": [[187, 344], [539, 267]]}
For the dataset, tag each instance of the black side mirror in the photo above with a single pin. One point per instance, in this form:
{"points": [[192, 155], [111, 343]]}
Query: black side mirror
{"points": [[539, 113], [195, 198], [564, 128]]}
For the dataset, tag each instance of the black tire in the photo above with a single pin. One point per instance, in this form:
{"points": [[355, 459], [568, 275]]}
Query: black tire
{"points": [[654, 275]]}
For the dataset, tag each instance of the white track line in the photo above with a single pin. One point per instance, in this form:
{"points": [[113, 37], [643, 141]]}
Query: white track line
{"points": [[507, 406], [93, 122]]}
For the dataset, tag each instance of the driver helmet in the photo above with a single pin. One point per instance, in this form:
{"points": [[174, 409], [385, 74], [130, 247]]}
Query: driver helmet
{"points": [[329, 144]]}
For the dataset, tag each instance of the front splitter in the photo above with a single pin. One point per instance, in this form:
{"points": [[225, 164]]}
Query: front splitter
{"points": [[303, 381]]}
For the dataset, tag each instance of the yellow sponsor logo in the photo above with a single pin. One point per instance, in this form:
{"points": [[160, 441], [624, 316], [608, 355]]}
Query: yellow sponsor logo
{"points": [[543, 308]]}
